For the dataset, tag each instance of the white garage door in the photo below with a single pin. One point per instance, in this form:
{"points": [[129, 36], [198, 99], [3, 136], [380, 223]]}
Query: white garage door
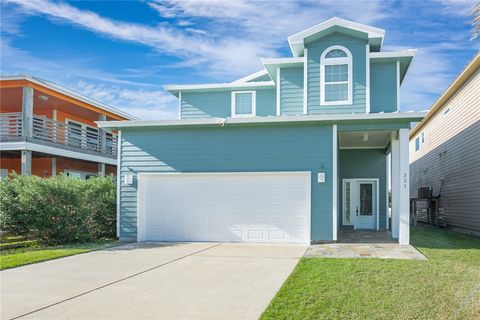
{"points": [[237, 207]]}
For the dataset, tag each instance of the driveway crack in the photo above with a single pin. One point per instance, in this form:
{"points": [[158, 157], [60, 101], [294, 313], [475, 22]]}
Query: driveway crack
{"points": [[114, 282]]}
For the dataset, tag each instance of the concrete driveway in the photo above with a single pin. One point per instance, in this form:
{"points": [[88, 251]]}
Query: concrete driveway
{"points": [[151, 281]]}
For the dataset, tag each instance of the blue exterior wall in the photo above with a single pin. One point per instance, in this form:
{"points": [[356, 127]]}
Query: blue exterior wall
{"points": [[218, 104], [383, 87], [357, 47], [291, 91], [305, 147], [363, 163]]}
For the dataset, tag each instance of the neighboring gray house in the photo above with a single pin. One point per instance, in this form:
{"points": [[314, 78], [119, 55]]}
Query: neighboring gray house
{"points": [[445, 150]]}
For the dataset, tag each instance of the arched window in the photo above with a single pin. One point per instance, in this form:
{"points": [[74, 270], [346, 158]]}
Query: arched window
{"points": [[336, 76]]}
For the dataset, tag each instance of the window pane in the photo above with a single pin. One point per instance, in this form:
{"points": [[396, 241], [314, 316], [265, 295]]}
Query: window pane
{"points": [[347, 203], [243, 103], [366, 199], [336, 53], [336, 92], [336, 73]]}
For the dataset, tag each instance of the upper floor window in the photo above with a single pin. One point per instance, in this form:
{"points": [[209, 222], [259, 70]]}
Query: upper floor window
{"points": [[336, 76], [243, 103], [417, 144]]}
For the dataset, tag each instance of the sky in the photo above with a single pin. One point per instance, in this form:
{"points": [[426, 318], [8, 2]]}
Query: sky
{"points": [[122, 53]]}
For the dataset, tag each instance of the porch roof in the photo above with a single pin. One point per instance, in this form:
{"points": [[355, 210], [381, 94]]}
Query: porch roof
{"points": [[401, 116]]}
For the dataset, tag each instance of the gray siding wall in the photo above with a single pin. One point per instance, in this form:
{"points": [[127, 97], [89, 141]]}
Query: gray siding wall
{"points": [[450, 157], [364, 163]]}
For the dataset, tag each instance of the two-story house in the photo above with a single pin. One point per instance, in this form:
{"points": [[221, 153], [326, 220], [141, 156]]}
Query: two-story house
{"points": [[293, 153], [46, 129]]}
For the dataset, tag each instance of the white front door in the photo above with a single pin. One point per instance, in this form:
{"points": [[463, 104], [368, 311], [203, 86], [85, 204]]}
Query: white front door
{"points": [[360, 204]]}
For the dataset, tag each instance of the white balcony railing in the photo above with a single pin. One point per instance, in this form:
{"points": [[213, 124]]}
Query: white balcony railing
{"points": [[51, 131]]}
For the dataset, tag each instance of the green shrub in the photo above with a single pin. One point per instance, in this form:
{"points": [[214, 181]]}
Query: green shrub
{"points": [[58, 209]]}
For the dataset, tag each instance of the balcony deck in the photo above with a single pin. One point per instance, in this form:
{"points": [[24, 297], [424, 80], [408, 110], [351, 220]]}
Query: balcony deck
{"points": [[54, 134]]}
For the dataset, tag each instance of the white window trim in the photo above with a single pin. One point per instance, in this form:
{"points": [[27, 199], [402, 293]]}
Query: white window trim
{"points": [[254, 109], [335, 61]]}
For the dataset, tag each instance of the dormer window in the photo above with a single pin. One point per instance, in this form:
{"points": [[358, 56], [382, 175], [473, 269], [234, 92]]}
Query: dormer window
{"points": [[336, 76], [243, 104]]}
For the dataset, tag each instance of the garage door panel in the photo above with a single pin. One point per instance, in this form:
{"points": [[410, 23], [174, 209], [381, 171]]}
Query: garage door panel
{"points": [[250, 207]]}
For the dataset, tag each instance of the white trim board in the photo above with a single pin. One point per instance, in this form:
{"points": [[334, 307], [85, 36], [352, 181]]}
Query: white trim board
{"points": [[410, 116], [334, 183]]}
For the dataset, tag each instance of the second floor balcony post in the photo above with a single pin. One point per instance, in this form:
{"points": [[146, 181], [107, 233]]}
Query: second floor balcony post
{"points": [[27, 128], [103, 144]]}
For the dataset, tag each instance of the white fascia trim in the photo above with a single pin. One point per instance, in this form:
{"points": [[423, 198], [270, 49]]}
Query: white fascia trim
{"points": [[367, 80], [35, 147], [398, 86], [305, 81], [193, 87], [278, 91], [412, 116], [233, 105], [119, 173], [334, 183], [251, 76], [71, 93], [179, 105], [298, 38], [297, 60], [394, 54], [335, 21]]}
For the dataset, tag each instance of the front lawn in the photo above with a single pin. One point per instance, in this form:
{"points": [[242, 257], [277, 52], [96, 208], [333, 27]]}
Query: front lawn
{"points": [[11, 258], [447, 286]]}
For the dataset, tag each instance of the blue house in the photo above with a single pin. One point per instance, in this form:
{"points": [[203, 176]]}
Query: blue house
{"points": [[293, 153]]}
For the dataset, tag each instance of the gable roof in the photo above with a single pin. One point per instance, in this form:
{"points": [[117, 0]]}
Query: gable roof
{"points": [[462, 78], [252, 76], [67, 92], [298, 40]]}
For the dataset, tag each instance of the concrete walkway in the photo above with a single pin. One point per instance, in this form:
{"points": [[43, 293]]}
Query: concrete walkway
{"points": [[151, 281]]}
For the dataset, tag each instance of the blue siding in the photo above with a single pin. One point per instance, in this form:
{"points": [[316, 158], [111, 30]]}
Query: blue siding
{"points": [[383, 87], [266, 102], [357, 47], [218, 104], [291, 91], [206, 104], [230, 148], [367, 163]]}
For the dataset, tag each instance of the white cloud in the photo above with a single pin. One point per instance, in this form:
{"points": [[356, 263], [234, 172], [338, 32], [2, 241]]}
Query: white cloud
{"points": [[145, 104]]}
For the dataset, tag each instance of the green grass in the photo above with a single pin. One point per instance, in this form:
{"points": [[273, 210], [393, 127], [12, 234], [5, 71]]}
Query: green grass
{"points": [[447, 286], [11, 258]]}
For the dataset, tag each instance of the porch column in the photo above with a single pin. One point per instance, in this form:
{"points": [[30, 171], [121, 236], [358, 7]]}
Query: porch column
{"points": [[26, 162], [400, 187], [334, 183], [404, 188], [103, 145], [27, 112], [395, 158]]}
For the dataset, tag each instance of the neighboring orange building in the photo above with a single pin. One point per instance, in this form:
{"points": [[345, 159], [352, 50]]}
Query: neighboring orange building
{"points": [[46, 129]]}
